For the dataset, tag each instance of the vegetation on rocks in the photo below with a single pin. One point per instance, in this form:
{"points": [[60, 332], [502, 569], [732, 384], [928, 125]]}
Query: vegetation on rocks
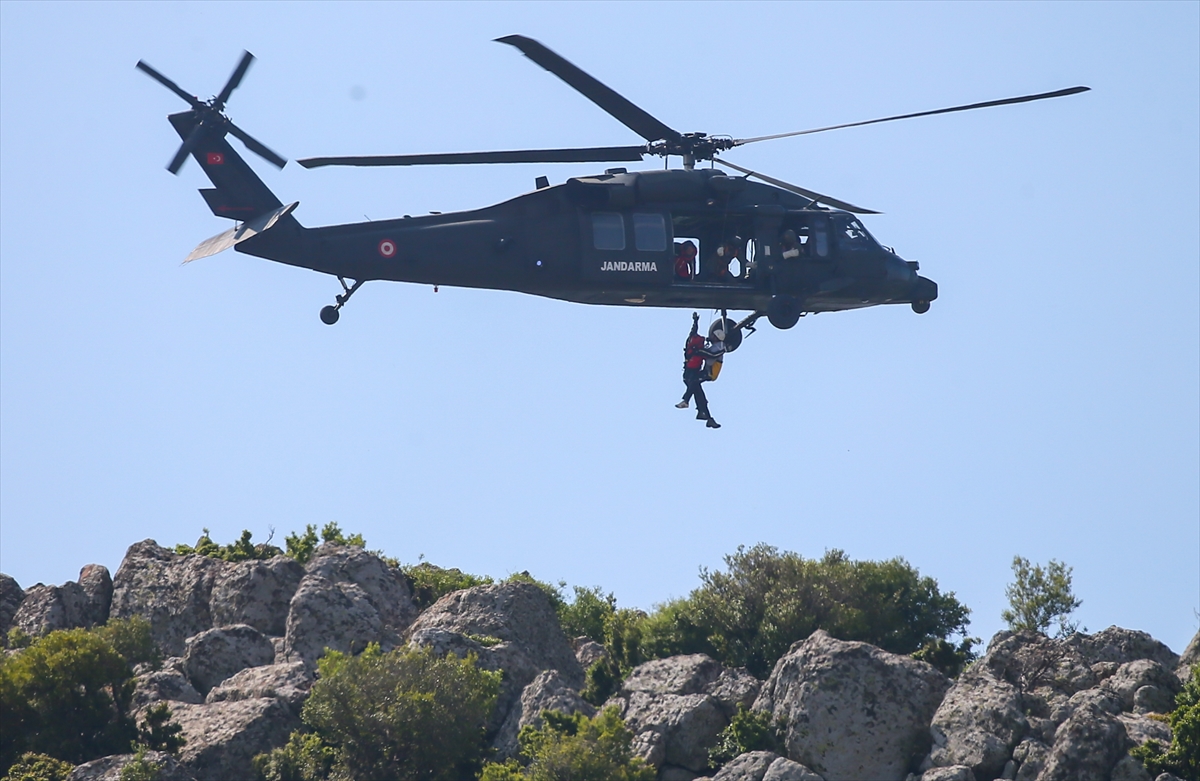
{"points": [[38, 767], [1040, 598], [406, 714], [574, 748], [748, 731], [1182, 756], [67, 695]]}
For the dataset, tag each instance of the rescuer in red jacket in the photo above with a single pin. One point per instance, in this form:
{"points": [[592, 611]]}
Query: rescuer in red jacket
{"points": [[694, 355]]}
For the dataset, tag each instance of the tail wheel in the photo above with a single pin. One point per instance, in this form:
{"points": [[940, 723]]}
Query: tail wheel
{"points": [[783, 311], [329, 315], [920, 307]]}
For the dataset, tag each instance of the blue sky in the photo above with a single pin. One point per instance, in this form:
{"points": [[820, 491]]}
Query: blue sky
{"points": [[1046, 406]]}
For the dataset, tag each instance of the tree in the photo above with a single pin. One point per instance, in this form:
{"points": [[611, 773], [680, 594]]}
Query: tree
{"points": [[1040, 598], [66, 695], [766, 599], [574, 748], [406, 714]]}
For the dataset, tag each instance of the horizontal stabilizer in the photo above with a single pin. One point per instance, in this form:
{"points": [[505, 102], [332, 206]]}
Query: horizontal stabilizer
{"points": [[247, 230]]}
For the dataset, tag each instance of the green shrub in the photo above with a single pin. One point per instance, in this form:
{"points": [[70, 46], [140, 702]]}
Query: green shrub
{"points": [[429, 582], [38, 767], [406, 714], [766, 600], [553, 593], [949, 658], [140, 768], [747, 731], [1040, 598], [240, 550], [574, 748], [1182, 756], [587, 614], [157, 733], [67, 696], [131, 638]]}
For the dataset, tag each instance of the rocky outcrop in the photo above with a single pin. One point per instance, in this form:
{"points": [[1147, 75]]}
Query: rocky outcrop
{"points": [[223, 737], [548, 691], [167, 684], [288, 682], [1087, 746], [1189, 657], [213, 655], [763, 766], [256, 593], [347, 599], [978, 723], [85, 603], [520, 631], [1121, 645], [11, 597], [853, 710], [676, 707], [171, 591], [109, 768]]}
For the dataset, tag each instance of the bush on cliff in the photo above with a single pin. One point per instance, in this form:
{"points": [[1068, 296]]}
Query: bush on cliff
{"points": [[766, 599], [406, 714], [574, 748], [1039, 598], [1182, 756], [67, 695]]}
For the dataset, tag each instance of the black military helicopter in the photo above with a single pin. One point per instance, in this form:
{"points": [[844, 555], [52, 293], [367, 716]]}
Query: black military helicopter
{"points": [[766, 247]]}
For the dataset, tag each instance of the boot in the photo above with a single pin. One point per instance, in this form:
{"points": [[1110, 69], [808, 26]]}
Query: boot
{"points": [[702, 415], [712, 423]]}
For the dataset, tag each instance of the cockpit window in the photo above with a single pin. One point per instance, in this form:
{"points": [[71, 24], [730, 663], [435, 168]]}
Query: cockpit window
{"points": [[608, 231], [649, 232], [851, 235]]}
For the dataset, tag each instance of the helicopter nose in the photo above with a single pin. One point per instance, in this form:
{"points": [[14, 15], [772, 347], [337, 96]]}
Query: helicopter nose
{"points": [[924, 289]]}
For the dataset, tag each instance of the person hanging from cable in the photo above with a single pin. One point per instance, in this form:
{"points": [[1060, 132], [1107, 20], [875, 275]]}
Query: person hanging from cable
{"points": [[699, 360]]}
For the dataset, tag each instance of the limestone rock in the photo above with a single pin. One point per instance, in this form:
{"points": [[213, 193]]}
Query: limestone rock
{"points": [[288, 682], [516, 614], [588, 651], [256, 593], [676, 706], [1191, 656], [548, 691], [1122, 645], [44, 609], [751, 766], [1030, 756], [1088, 746], [212, 656], [223, 737], [109, 768], [784, 769], [949, 773], [385, 587], [168, 684], [324, 614], [853, 711], [1130, 769], [1140, 729], [171, 591], [1140, 673], [978, 723], [11, 597]]}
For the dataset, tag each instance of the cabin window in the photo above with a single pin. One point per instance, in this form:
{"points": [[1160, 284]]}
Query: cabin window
{"points": [[650, 232], [851, 235], [608, 231], [820, 240]]}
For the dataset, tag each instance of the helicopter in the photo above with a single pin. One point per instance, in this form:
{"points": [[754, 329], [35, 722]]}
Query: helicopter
{"points": [[620, 238]]}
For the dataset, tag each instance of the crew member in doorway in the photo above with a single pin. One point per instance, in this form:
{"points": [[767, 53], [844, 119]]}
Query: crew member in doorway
{"points": [[685, 261], [726, 254], [790, 245], [697, 358]]}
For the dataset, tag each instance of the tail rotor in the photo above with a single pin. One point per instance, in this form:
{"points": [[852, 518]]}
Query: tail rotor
{"points": [[211, 117]]}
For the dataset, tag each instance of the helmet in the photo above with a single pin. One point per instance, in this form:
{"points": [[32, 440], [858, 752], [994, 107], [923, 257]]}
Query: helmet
{"points": [[718, 334], [716, 331]]}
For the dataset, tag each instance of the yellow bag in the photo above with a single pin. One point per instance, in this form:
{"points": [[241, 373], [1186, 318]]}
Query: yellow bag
{"points": [[714, 371]]}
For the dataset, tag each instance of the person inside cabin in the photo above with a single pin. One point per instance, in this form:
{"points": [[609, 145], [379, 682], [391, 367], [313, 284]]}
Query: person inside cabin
{"points": [[728, 252], [697, 358], [685, 261], [790, 246]]}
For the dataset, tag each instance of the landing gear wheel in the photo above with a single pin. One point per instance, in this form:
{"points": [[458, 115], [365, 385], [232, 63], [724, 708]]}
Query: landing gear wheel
{"points": [[329, 315], [920, 307], [783, 312]]}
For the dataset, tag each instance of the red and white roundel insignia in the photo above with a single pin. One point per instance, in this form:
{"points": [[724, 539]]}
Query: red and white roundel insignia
{"points": [[216, 158], [387, 248]]}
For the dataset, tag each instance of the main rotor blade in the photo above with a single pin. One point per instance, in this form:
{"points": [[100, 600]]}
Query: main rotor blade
{"points": [[603, 96], [186, 148], [1023, 99], [256, 146], [163, 80], [234, 80], [814, 195], [595, 154]]}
